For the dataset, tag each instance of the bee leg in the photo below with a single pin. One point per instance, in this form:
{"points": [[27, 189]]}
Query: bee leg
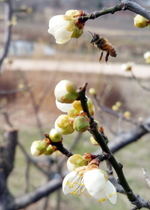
{"points": [[101, 56], [107, 55]]}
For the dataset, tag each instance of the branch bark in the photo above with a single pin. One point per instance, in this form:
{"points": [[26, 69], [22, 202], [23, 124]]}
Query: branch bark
{"points": [[131, 136]]}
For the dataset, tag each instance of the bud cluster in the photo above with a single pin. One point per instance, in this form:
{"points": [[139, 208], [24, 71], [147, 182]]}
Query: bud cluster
{"points": [[74, 119], [46, 146], [67, 100]]}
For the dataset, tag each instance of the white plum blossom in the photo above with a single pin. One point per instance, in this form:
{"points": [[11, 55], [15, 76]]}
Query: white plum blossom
{"points": [[58, 28], [64, 27], [92, 182]]}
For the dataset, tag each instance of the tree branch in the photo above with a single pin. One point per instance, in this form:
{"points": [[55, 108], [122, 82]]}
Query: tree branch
{"points": [[131, 136], [124, 5], [7, 34], [39, 193]]}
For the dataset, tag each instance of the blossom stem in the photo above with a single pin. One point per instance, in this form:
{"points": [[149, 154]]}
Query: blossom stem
{"points": [[124, 5], [60, 147], [100, 139]]}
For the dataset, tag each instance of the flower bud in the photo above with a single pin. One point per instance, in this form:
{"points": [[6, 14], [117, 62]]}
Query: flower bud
{"points": [[49, 150], [64, 124], [55, 136], [118, 104], [91, 107], [73, 113], [140, 21], [77, 105], [93, 141], [115, 108], [81, 124], [38, 147], [92, 91], [76, 161], [66, 92], [127, 114]]}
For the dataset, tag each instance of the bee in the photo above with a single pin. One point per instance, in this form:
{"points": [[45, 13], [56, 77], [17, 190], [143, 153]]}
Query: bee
{"points": [[104, 45]]}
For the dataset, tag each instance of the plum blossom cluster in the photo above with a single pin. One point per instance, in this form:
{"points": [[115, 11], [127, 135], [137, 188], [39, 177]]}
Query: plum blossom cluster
{"points": [[86, 178], [74, 119], [67, 101]]}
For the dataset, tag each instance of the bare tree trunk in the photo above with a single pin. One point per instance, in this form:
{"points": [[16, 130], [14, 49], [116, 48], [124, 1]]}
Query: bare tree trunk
{"points": [[7, 156]]}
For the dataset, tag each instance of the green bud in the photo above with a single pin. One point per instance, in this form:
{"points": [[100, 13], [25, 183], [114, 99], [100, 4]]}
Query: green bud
{"points": [[49, 150], [81, 124], [38, 147], [55, 136]]}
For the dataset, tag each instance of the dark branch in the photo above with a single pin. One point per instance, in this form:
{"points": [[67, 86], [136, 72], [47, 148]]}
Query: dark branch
{"points": [[131, 136], [124, 5], [8, 27]]}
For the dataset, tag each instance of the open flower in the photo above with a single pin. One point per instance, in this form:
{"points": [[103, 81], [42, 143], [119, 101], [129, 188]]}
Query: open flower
{"points": [[90, 181], [65, 27]]}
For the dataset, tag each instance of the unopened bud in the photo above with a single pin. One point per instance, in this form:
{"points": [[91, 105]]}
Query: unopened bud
{"points": [[127, 114], [92, 91], [64, 124], [140, 21], [93, 141], [38, 147], [81, 124], [76, 161], [66, 91], [55, 136], [49, 150]]}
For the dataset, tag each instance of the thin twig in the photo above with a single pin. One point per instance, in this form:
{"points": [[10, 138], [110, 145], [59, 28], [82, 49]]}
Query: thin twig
{"points": [[137, 80], [124, 5]]}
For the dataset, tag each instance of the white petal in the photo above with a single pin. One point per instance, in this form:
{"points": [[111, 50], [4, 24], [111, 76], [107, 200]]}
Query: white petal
{"points": [[62, 35], [58, 28], [95, 182], [110, 192], [63, 106], [56, 22], [72, 183], [60, 89]]}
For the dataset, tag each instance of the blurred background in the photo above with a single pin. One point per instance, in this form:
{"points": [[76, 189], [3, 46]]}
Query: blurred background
{"points": [[35, 64]]}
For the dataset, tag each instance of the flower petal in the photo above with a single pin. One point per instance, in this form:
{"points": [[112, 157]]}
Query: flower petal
{"points": [[110, 192], [95, 182], [58, 28], [73, 183], [63, 106]]}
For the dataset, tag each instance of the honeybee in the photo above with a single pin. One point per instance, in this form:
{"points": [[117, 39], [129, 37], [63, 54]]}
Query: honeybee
{"points": [[104, 45]]}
